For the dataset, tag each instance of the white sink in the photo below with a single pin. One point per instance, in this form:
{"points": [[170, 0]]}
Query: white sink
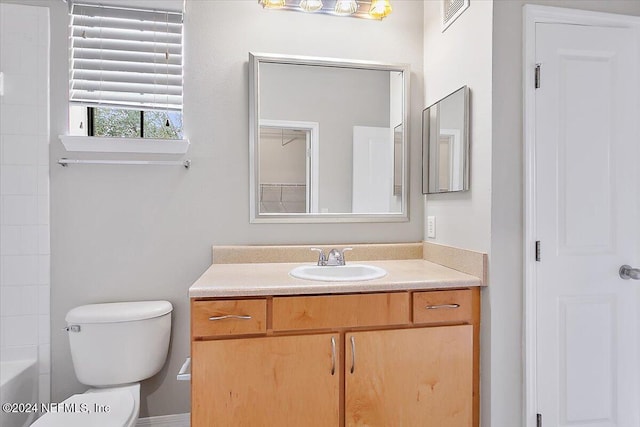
{"points": [[338, 273]]}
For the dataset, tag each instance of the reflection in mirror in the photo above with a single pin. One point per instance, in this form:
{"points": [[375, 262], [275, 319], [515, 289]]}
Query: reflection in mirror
{"points": [[327, 140], [285, 178], [445, 145]]}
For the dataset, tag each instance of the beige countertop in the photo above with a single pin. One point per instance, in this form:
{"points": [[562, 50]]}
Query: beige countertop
{"points": [[261, 279]]}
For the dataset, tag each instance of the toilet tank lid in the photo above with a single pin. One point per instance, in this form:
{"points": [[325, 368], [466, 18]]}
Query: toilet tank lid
{"points": [[118, 312]]}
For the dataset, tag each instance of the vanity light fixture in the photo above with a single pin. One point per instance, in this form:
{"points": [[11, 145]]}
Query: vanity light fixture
{"points": [[311, 5], [346, 7], [380, 8], [272, 4], [367, 9]]}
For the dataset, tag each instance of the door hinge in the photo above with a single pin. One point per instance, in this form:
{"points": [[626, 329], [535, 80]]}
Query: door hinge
{"points": [[538, 420], [538, 250], [538, 76]]}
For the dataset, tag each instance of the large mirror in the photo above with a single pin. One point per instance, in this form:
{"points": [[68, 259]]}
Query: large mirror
{"points": [[445, 144], [328, 140]]}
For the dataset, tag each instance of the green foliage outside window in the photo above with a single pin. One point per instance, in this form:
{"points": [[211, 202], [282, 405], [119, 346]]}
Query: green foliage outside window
{"points": [[155, 124], [121, 123], [116, 122]]}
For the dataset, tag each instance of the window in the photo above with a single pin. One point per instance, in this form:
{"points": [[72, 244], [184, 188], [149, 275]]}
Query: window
{"points": [[120, 122], [125, 72]]}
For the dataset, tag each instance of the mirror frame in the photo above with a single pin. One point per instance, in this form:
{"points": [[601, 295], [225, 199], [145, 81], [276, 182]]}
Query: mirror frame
{"points": [[465, 144], [255, 59]]}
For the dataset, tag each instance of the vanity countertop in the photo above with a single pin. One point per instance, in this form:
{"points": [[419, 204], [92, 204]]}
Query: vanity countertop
{"points": [[261, 279]]}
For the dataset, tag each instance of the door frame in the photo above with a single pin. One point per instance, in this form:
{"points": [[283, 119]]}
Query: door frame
{"points": [[312, 160], [532, 15]]}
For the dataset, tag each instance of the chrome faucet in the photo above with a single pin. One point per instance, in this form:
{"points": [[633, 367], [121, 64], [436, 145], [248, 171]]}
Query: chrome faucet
{"points": [[322, 259], [335, 257]]}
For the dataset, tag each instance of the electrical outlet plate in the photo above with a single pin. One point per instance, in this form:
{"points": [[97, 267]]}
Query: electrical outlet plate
{"points": [[431, 227]]}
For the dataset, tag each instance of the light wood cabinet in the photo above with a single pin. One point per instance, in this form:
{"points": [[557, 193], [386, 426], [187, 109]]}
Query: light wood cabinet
{"points": [[273, 381], [410, 377], [228, 317], [340, 311], [378, 359]]}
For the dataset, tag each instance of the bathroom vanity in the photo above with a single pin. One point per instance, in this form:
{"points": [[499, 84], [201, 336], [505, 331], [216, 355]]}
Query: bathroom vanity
{"points": [[269, 349]]}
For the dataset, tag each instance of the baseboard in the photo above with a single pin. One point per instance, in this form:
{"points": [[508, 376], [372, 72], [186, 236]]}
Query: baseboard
{"points": [[176, 420]]}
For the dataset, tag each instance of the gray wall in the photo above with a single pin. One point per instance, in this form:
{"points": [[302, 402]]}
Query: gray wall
{"points": [[123, 233], [337, 99]]}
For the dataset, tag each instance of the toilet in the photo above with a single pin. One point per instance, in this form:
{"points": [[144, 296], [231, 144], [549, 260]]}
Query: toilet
{"points": [[113, 347]]}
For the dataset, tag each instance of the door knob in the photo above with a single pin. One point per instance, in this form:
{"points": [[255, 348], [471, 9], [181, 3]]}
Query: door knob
{"points": [[626, 272]]}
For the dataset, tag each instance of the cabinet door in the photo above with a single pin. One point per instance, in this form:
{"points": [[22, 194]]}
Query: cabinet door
{"points": [[271, 381], [410, 377]]}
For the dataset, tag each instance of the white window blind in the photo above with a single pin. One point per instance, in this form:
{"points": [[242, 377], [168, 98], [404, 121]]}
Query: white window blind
{"points": [[125, 58]]}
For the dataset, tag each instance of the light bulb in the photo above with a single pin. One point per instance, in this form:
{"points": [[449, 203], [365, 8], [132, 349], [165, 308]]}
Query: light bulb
{"points": [[380, 9], [272, 4], [346, 7], [311, 5]]}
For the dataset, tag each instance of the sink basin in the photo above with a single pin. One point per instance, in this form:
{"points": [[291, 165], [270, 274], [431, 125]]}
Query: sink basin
{"points": [[338, 273]]}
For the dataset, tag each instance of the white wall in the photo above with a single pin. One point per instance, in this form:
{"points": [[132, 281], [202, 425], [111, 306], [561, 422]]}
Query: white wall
{"points": [[462, 56], [24, 187], [123, 233], [283, 164]]}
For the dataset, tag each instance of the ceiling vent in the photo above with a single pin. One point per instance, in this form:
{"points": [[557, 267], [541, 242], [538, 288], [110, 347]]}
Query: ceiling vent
{"points": [[451, 9]]}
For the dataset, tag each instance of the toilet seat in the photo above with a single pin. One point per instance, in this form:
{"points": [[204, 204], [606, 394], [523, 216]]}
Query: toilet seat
{"points": [[90, 409]]}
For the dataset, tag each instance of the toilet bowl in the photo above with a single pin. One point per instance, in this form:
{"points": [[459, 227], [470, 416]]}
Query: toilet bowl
{"points": [[113, 347], [108, 407]]}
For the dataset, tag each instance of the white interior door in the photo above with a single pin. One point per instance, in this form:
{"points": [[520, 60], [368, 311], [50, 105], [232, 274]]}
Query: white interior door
{"points": [[372, 170], [587, 190]]}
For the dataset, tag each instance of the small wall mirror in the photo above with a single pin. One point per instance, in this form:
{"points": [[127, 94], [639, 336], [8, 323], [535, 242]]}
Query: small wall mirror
{"points": [[445, 144], [327, 140]]}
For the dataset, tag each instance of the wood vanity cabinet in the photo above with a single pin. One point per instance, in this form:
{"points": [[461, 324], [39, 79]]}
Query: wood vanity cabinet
{"points": [[263, 381], [380, 359], [410, 377]]}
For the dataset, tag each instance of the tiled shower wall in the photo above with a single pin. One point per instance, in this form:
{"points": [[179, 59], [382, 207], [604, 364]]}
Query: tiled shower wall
{"points": [[24, 187]]}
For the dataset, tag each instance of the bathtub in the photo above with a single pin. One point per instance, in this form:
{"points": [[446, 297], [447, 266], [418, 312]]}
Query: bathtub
{"points": [[18, 384]]}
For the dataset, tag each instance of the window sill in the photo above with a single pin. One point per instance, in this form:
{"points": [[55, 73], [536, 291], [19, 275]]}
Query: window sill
{"points": [[95, 144]]}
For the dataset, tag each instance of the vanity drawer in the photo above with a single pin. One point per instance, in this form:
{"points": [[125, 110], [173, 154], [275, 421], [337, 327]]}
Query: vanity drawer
{"points": [[340, 311], [442, 306], [228, 317]]}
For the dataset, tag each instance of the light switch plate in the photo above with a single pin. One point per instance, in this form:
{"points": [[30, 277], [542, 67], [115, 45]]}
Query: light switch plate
{"points": [[431, 227]]}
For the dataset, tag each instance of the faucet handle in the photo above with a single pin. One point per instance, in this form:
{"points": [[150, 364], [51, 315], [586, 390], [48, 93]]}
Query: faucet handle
{"points": [[322, 259], [344, 261]]}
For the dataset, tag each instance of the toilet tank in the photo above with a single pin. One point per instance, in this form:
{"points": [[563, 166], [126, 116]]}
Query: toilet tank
{"points": [[119, 343]]}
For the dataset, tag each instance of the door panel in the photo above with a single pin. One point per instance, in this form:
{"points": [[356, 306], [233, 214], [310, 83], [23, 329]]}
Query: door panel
{"points": [[590, 120], [410, 377], [288, 380], [586, 194], [587, 345], [372, 170]]}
